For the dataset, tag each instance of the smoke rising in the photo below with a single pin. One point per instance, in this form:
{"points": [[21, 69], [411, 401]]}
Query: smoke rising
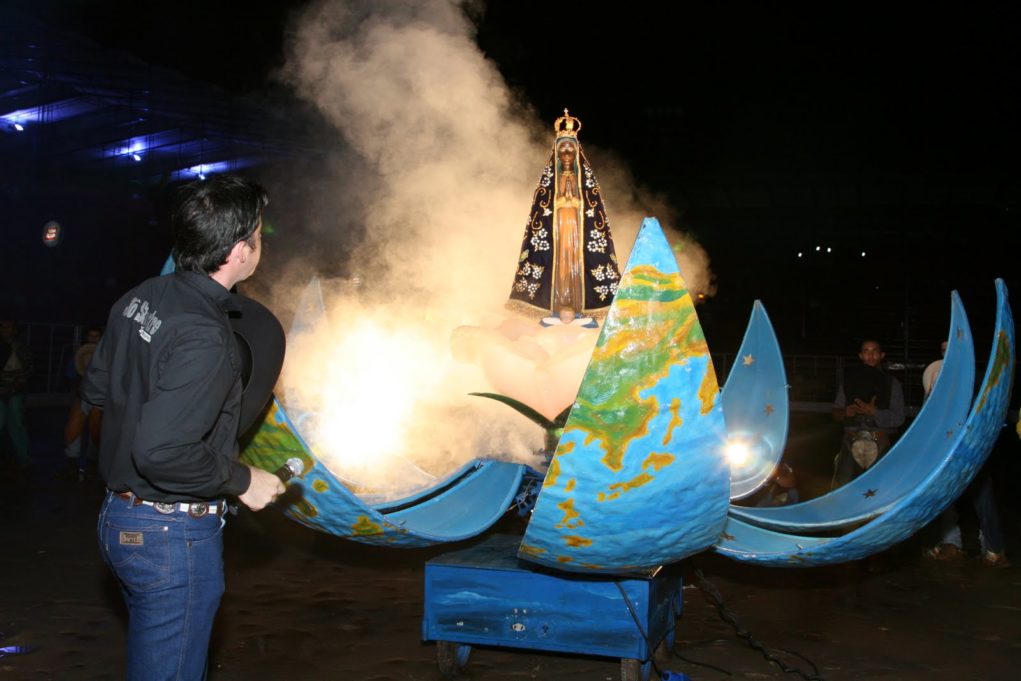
{"points": [[441, 166]]}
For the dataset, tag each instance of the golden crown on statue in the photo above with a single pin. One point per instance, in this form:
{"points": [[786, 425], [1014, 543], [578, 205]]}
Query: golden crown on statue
{"points": [[567, 126]]}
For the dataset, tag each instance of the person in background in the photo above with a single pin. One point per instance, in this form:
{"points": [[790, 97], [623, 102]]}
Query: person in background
{"points": [[15, 370], [782, 488], [81, 431], [931, 372], [950, 546], [870, 405]]}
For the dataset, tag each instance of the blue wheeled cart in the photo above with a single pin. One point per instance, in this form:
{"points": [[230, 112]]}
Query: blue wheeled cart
{"points": [[484, 595]]}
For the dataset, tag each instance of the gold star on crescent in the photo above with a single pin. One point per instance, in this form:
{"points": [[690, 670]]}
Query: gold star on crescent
{"points": [[870, 493], [748, 360], [769, 409]]}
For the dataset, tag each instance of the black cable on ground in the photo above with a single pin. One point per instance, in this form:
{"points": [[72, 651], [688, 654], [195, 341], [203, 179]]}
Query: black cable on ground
{"points": [[713, 594], [641, 630], [688, 660]]}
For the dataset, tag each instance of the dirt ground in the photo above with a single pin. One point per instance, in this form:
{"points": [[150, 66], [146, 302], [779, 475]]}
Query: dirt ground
{"points": [[303, 605]]}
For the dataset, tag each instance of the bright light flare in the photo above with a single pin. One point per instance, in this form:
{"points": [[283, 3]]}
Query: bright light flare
{"points": [[752, 459], [365, 384], [368, 400], [738, 452]]}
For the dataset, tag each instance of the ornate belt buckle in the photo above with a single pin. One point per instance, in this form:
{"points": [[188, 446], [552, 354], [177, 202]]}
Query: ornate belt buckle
{"points": [[163, 507], [198, 510]]}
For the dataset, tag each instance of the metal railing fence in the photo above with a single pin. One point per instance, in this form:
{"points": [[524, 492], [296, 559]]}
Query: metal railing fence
{"points": [[812, 378]]}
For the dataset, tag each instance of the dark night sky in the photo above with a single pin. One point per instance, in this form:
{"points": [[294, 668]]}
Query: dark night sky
{"points": [[828, 90], [842, 94]]}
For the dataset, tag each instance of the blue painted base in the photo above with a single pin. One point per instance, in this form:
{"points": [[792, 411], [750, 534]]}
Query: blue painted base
{"points": [[484, 595]]}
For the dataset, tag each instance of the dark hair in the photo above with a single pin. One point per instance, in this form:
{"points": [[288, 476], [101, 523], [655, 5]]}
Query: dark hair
{"points": [[210, 216], [870, 339]]}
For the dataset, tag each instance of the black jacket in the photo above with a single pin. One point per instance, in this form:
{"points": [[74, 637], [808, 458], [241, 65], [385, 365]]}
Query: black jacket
{"points": [[168, 378]]}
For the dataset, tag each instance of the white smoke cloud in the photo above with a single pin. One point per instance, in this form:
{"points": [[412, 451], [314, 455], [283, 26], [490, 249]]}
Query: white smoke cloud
{"points": [[447, 160]]}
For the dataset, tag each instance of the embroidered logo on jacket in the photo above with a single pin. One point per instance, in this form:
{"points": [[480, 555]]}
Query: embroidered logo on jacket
{"points": [[138, 310]]}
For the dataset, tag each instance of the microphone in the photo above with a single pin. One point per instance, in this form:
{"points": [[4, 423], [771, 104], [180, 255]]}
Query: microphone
{"points": [[291, 468]]}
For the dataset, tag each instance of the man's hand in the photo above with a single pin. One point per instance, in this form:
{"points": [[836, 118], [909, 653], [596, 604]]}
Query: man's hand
{"points": [[867, 408], [852, 409], [262, 491]]}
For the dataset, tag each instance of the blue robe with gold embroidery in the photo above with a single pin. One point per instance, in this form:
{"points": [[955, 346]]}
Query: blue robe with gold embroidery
{"points": [[534, 278]]}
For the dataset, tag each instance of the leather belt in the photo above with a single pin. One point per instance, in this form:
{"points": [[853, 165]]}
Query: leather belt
{"points": [[195, 509]]}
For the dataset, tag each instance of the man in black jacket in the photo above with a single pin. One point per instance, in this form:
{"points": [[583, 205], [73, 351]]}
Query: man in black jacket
{"points": [[870, 404], [168, 377]]}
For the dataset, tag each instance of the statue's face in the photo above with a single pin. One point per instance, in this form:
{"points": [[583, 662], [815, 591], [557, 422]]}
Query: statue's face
{"points": [[566, 151]]}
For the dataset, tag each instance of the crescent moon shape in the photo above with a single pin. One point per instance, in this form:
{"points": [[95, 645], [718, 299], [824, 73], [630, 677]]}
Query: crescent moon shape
{"points": [[463, 506], [638, 479], [755, 405], [907, 464], [946, 480]]}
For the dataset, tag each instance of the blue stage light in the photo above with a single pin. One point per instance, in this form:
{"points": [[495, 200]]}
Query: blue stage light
{"points": [[51, 112], [204, 170], [133, 148]]}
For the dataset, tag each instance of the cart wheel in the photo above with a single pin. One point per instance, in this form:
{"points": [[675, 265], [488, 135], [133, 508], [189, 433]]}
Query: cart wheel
{"points": [[665, 650], [452, 656], [635, 670]]}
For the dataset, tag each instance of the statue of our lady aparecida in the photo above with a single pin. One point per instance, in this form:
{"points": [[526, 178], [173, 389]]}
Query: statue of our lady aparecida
{"points": [[567, 266], [566, 278]]}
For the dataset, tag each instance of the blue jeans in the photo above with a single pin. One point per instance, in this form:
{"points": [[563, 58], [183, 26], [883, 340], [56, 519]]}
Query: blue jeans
{"points": [[170, 569], [984, 500]]}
